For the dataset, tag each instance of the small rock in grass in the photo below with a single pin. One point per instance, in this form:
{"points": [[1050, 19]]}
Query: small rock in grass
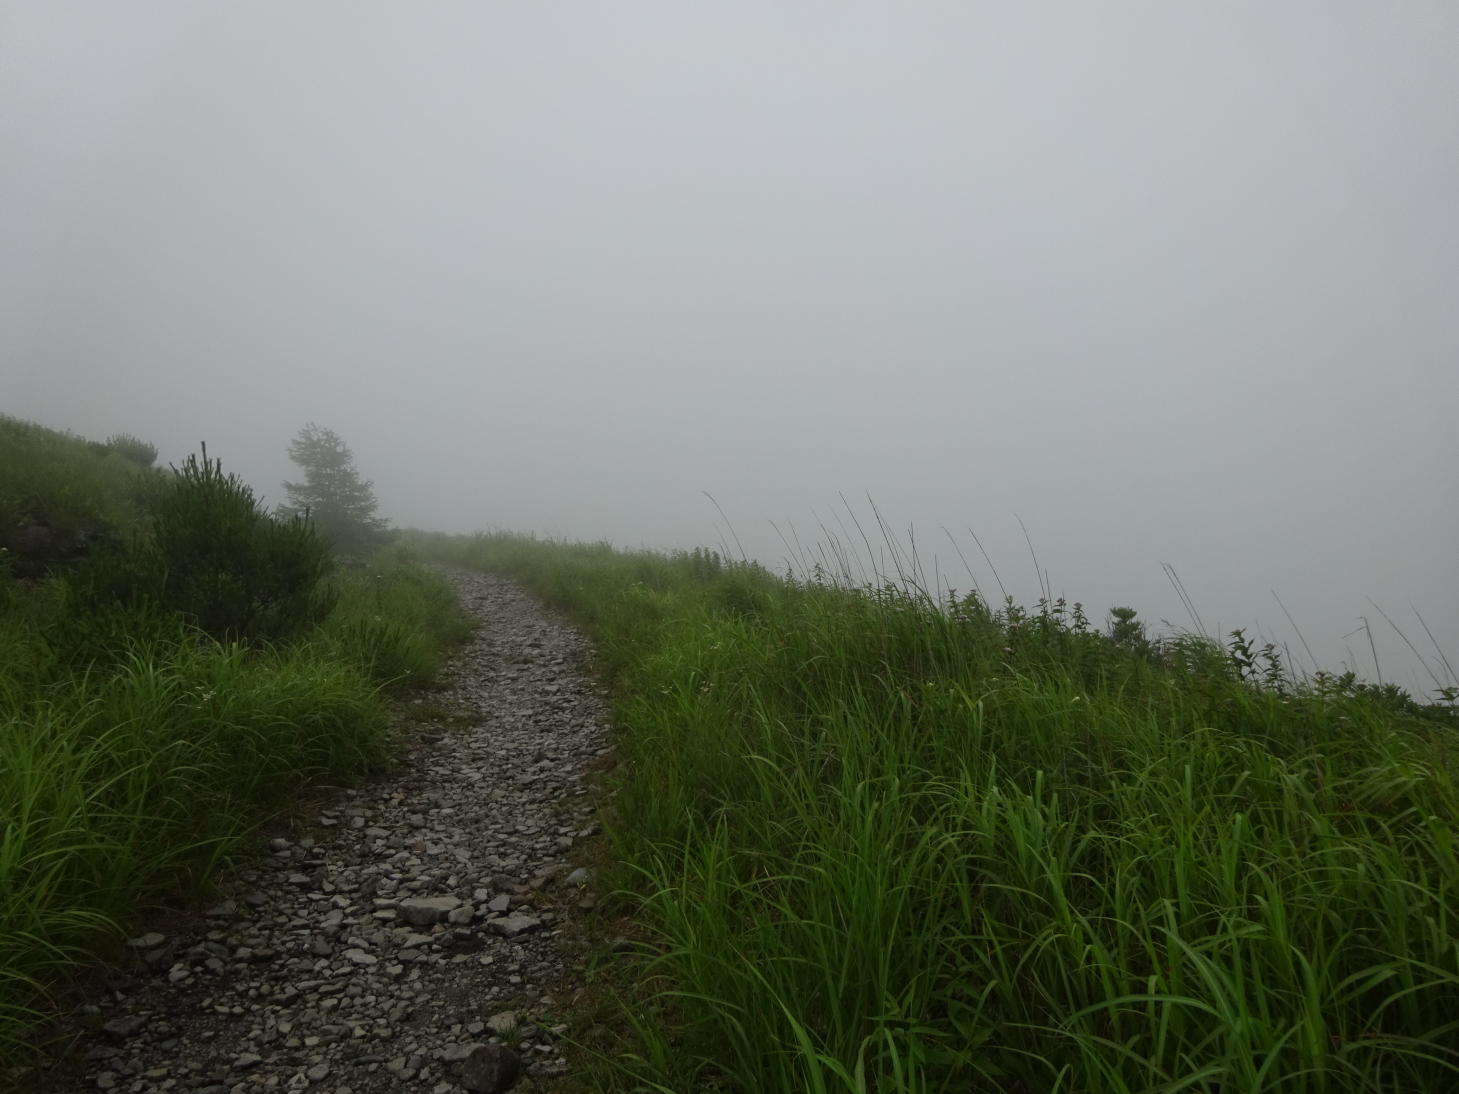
{"points": [[503, 1023]]}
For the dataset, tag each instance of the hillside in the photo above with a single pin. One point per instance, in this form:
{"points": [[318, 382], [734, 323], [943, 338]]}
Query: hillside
{"points": [[59, 492]]}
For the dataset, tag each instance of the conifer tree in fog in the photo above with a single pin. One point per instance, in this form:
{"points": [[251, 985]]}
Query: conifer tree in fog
{"points": [[340, 503]]}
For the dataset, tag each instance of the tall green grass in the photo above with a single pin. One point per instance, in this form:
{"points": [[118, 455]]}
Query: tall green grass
{"points": [[394, 620], [887, 844], [121, 787], [128, 781]]}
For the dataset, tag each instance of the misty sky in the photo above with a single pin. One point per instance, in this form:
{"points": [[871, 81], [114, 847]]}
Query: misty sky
{"points": [[1172, 282]]}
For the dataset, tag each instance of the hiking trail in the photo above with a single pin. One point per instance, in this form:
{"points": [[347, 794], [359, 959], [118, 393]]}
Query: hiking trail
{"points": [[406, 935]]}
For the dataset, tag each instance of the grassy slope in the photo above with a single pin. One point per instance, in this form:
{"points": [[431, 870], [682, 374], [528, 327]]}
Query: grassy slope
{"points": [[882, 846], [126, 781], [62, 480]]}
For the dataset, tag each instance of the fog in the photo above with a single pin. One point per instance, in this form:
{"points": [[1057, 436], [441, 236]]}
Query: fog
{"points": [[1169, 283]]}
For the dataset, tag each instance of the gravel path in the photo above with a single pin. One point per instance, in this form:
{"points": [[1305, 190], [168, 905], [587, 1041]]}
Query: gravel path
{"points": [[409, 936]]}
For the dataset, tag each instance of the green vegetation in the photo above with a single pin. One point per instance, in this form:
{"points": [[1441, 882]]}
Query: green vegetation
{"points": [[392, 619], [165, 689], [212, 556], [338, 502], [883, 843], [140, 452], [875, 840], [59, 494]]}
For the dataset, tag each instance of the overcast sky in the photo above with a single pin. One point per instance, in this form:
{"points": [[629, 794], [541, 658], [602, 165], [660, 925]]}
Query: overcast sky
{"points": [[1172, 282]]}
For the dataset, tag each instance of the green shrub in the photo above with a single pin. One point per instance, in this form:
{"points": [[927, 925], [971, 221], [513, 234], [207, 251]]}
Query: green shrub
{"points": [[217, 558], [140, 452]]}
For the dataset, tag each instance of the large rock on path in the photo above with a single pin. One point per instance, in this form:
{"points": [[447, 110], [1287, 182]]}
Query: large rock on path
{"points": [[427, 911]]}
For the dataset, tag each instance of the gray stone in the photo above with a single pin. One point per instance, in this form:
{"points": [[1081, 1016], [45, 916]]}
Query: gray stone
{"points": [[489, 1069], [427, 910], [512, 925], [122, 1028], [503, 1024]]}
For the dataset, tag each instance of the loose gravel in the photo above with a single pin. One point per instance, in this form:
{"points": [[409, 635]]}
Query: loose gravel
{"points": [[410, 935]]}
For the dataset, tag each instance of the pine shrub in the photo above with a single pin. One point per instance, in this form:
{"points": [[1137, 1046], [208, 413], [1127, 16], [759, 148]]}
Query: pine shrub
{"points": [[217, 558]]}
